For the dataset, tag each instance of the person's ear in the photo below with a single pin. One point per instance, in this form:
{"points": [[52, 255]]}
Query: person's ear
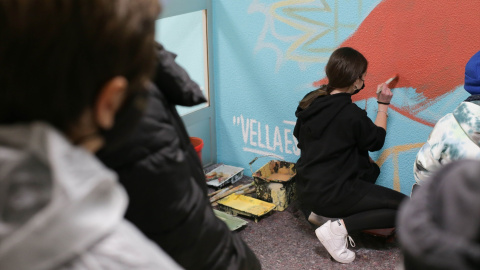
{"points": [[109, 101], [358, 83]]}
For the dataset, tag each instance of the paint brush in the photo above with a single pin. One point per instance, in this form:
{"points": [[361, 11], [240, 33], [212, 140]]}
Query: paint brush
{"points": [[391, 83]]}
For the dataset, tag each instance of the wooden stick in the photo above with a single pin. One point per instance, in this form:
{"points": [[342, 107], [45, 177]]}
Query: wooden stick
{"points": [[244, 191], [219, 191], [225, 194]]}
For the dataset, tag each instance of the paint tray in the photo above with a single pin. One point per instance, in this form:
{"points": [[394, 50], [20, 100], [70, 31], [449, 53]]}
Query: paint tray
{"points": [[275, 183], [230, 175], [233, 223], [247, 206]]}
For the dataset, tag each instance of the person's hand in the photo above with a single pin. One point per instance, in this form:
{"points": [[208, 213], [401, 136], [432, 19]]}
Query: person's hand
{"points": [[384, 93], [371, 160]]}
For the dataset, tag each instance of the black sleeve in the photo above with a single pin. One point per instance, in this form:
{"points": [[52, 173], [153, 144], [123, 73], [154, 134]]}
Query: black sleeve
{"points": [[167, 202], [168, 206], [369, 136]]}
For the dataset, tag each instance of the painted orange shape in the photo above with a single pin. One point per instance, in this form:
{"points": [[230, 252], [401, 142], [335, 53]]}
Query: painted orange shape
{"points": [[427, 42]]}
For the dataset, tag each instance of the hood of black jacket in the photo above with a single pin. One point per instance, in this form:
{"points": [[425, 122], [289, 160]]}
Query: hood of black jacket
{"points": [[171, 86], [174, 82], [323, 110]]}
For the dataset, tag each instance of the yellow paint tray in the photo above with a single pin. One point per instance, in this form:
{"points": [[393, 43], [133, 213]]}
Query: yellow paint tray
{"points": [[244, 205]]}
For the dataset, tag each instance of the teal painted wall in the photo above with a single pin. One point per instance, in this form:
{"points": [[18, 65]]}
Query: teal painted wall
{"points": [[268, 54], [184, 35]]}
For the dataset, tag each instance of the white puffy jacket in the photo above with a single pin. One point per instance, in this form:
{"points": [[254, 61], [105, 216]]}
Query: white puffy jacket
{"points": [[60, 208], [455, 136]]}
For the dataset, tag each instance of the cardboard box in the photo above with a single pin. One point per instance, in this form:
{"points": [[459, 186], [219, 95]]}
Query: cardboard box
{"points": [[275, 183]]}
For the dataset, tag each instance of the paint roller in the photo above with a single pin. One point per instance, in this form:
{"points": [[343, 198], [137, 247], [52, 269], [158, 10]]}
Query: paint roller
{"points": [[391, 83]]}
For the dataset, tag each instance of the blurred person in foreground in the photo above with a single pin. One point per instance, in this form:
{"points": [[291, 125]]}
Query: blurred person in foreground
{"points": [[67, 68], [165, 181], [439, 228]]}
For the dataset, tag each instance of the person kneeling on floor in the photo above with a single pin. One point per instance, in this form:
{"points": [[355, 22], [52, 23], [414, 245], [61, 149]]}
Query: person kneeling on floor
{"points": [[335, 175]]}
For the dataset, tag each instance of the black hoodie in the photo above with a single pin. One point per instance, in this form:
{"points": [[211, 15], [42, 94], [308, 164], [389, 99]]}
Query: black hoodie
{"points": [[334, 136]]}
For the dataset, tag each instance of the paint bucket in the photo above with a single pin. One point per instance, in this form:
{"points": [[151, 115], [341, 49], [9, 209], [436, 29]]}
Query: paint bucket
{"points": [[275, 183], [198, 145]]}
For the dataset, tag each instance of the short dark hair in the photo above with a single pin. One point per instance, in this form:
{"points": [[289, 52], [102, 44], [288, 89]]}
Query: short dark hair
{"points": [[56, 55], [344, 67]]}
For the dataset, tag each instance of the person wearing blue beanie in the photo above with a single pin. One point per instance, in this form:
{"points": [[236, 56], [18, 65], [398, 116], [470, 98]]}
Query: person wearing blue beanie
{"points": [[472, 75], [455, 136]]}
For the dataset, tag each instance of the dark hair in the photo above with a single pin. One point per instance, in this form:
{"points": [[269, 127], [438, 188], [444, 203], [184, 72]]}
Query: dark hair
{"points": [[56, 55], [343, 68]]}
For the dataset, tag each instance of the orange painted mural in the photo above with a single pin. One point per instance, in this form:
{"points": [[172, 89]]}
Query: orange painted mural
{"points": [[426, 42]]}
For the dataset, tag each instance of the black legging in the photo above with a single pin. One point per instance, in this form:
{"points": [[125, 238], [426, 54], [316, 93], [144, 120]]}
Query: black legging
{"points": [[377, 210]]}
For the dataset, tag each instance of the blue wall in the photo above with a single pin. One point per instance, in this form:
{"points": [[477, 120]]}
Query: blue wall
{"points": [[189, 46], [268, 54]]}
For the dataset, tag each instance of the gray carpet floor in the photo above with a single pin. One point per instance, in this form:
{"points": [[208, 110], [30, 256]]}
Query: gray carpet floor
{"points": [[286, 241]]}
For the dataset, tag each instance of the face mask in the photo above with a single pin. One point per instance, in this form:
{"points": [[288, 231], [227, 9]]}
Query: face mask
{"points": [[358, 90], [126, 120]]}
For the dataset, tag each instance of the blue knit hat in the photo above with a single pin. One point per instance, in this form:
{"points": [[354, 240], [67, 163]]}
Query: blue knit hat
{"points": [[472, 75]]}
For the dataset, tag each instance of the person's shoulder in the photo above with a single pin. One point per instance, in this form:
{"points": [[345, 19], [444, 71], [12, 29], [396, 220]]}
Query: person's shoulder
{"points": [[355, 112], [444, 127], [447, 119]]}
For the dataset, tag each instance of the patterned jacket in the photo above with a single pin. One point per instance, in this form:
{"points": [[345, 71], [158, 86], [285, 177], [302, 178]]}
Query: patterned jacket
{"points": [[455, 136]]}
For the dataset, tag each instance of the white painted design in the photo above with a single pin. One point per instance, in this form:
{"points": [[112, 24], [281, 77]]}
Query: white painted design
{"points": [[263, 153], [257, 136]]}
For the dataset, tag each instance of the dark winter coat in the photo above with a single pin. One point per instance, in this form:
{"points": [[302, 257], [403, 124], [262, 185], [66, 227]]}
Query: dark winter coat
{"points": [[166, 184], [439, 228], [334, 136]]}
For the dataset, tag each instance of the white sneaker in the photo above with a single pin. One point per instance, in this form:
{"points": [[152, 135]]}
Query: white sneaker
{"points": [[336, 245]]}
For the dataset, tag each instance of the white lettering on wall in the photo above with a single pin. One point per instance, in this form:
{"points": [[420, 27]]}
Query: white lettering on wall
{"points": [[260, 144], [252, 133], [244, 129], [267, 137], [287, 132], [277, 140], [255, 139]]}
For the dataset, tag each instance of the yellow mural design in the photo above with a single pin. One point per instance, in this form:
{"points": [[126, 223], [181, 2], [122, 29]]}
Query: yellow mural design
{"points": [[394, 152], [313, 29]]}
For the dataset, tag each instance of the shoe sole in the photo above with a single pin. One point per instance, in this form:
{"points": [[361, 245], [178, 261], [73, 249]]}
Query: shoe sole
{"points": [[333, 255]]}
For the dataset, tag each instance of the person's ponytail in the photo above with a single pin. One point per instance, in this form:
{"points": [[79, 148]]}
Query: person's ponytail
{"points": [[324, 90]]}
